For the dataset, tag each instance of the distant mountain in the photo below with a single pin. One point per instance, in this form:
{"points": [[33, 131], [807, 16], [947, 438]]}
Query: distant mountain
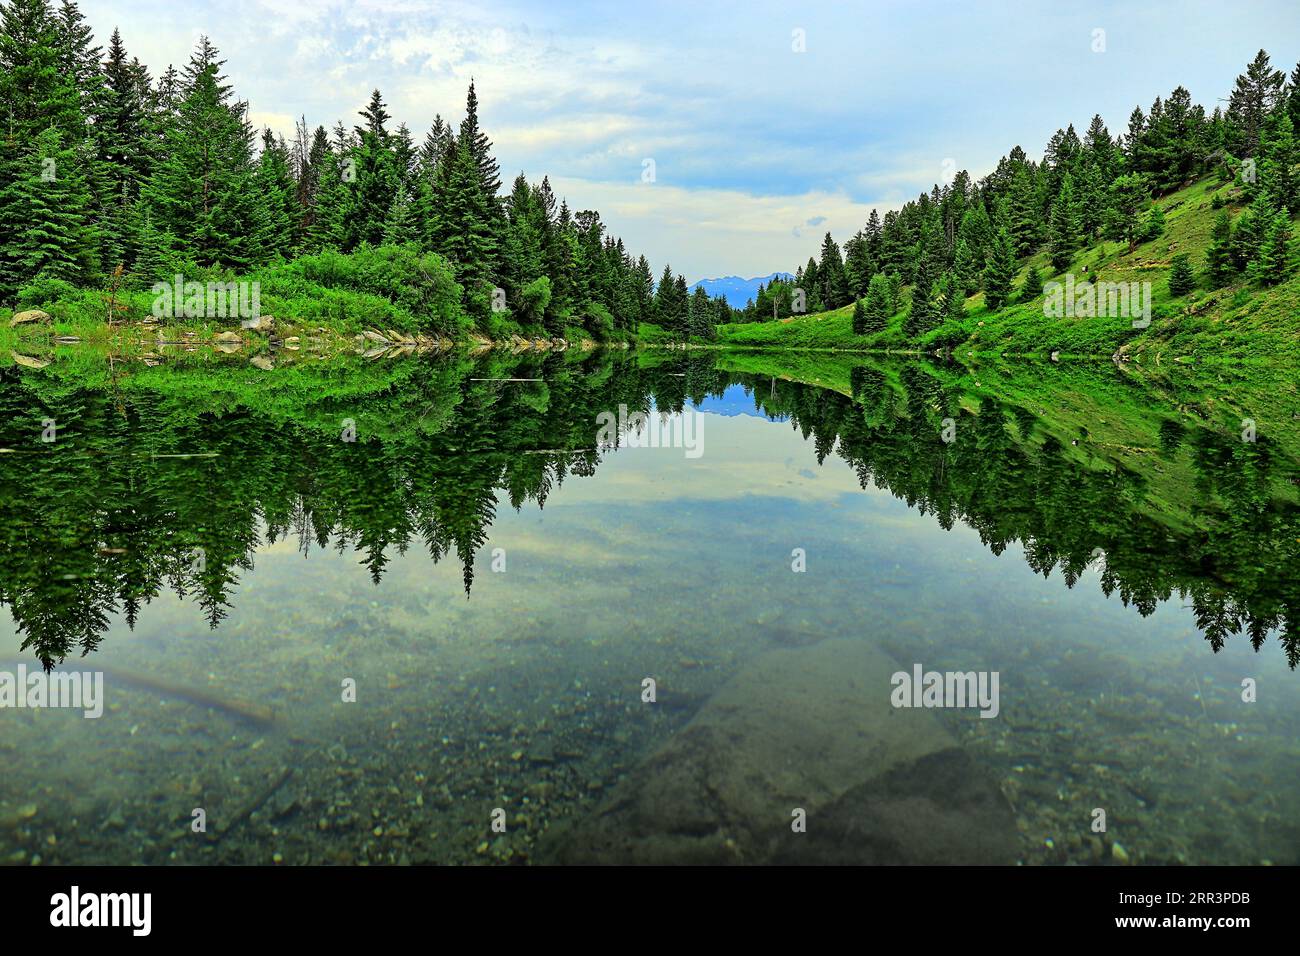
{"points": [[735, 290]]}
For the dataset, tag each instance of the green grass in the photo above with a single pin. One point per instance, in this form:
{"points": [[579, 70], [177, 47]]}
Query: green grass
{"points": [[1242, 321]]}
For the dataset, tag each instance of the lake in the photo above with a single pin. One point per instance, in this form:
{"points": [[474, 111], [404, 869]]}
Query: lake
{"points": [[425, 610]]}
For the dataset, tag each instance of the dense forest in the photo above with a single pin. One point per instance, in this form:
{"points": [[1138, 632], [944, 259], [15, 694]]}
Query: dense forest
{"points": [[969, 237], [110, 178]]}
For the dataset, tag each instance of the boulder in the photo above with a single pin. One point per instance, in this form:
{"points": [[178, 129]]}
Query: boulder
{"points": [[31, 315], [808, 728]]}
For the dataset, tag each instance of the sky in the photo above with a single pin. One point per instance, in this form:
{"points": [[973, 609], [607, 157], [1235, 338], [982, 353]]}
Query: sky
{"points": [[723, 138]]}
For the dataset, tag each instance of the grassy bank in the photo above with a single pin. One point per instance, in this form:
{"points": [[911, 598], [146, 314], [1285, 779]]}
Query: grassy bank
{"points": [[1242, 320]]}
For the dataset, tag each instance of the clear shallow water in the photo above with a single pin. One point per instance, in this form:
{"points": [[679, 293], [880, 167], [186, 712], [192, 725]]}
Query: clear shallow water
{"points": [[526, 694]]}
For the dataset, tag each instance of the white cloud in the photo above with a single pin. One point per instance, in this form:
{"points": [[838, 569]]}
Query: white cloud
{"points": [[709, 232]]}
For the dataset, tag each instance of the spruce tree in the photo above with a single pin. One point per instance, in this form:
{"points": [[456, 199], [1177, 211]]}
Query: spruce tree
{"points": [[277, 195], [921, 316], [1257, 92], [1129, 197], [999, 272], [1272, 263], [951, 297], [859, 318], [49, 199], [1181, 278], [879, 304], [1032, 286], [1153, 227], [1218, 257], [202, 191], [1066, 227]]}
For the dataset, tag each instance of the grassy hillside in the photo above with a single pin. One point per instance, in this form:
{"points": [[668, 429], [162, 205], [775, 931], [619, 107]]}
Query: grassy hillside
{"points": [[1240, 321]]}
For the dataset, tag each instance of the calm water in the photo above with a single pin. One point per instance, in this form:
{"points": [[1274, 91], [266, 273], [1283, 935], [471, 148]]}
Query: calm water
{"points": [[498, 590]]}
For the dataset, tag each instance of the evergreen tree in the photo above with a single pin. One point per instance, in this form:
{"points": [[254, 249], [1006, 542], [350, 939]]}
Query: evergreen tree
{"points": [[1272, 263], [830, 275], [1153, 227], [999, 272], [49, 198], [1218, 257], [1181, 278], [951, 297], [1066, 227], [1129, 198], [278, 197], [43, 139], [378, 179], [921, 316], [879, 305], [1032, 286], [1256, 93], [1023, 212], [859, 318], [202, 191]]}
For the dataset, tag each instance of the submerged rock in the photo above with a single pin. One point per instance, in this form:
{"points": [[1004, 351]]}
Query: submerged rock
{"points": [[813, 729]]}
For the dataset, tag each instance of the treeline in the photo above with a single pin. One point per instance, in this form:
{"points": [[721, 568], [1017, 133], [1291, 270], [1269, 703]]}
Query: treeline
{"points": [[967, 237], [108, 175]]}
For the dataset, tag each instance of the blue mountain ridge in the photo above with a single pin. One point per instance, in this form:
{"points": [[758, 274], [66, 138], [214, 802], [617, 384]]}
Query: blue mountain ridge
{"points": [[735, 290]]}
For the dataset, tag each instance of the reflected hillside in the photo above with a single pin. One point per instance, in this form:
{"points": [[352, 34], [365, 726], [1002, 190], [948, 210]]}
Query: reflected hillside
{"points": [[172, 477], [1200, 514]]}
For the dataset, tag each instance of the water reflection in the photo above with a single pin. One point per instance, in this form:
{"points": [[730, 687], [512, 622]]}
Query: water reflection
{"points": [[174, 482]]}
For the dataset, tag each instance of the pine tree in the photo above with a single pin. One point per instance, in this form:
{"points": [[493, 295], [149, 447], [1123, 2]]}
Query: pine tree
{"points": [[1181, 278], [278, 199], [1257, 92], [1066, 228], [999, 271], [1032, 286], [921, 316], [951, 297], [1272, 263], [1218, 257], [859, 318], [49, 197], [879, 305], [202, 190], [1129, 197]]}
